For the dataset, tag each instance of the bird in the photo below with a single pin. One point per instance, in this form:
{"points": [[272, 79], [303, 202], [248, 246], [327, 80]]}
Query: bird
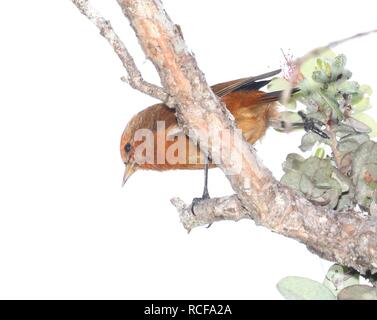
{"points": [[253, 110]]}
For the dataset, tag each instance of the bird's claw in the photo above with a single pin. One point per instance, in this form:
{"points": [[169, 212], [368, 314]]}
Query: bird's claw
{"points": [[313, 125], [195, 201]]}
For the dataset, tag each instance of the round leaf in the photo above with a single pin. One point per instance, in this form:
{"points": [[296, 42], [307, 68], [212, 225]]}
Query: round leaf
{"points": [[358, 292], [362, 105], [298, 288], [338, 277], [369, 121]]}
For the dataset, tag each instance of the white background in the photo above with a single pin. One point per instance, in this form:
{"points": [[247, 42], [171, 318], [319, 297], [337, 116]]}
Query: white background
{"points": [[67, 228]]}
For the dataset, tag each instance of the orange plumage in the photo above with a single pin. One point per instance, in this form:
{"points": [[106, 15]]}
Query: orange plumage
{"points": [[252, 109]]}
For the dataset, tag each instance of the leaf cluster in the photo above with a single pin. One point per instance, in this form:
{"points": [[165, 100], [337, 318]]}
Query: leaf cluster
{"points": [[347, 177], [341, 283], [344, 178]]}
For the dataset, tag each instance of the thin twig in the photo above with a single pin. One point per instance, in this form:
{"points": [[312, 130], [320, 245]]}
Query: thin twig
{"points": [[134, 79], [334, 147], [318, 51], [315, 53]]}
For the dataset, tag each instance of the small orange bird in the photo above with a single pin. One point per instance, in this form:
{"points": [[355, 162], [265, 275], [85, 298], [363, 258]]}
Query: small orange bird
{"points": [[254, 111]]}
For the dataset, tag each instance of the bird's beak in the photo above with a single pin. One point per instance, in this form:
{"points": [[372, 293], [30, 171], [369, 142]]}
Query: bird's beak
{"points": [[129, 170]]}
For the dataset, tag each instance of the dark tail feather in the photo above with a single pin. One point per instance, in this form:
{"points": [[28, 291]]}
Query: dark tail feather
{"points": [[275, 95], [245, 82], [256, 85]]}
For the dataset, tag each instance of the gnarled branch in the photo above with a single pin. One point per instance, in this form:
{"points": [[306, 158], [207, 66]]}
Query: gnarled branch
{"points": [[347, 238]]}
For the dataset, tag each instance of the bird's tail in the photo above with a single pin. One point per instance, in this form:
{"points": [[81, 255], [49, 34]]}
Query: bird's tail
{"points": [[275, 95]]}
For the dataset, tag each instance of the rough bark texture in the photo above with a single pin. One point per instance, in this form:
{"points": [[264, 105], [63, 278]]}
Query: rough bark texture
{"points": [[347, 238]]}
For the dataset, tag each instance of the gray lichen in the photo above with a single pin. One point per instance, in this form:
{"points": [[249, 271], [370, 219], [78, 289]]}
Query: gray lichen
{"points": [[348, 176]]}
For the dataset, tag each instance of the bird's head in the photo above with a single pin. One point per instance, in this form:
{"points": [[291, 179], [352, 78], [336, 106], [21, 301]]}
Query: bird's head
{"points": [[139, 138], [127, 149]]}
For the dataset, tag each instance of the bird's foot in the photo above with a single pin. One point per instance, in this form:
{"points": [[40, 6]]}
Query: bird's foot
{"points": [[314, 125], [196, 201]]}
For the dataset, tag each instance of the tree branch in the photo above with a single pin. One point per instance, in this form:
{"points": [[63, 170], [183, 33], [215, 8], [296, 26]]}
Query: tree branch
{"points": [[343, 237], [210, 211], [347, 238]]}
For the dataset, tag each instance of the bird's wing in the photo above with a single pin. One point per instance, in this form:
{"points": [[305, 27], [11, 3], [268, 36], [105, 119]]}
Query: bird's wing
{"points": [[222, 89], [162, 112]]}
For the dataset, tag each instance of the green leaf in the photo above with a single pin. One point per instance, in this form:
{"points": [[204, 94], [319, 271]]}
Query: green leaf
{"points": [[362, 105], [369, 121], [339, 277], [361, 99], [310, 65], [349, 87], [308, 86], [358, 292], [351, 142], [338, 65], [327, 69], [293, 162], [320, 76], [320, 153], [298, 288], [357, 125], [344, 129], [277, 84], [366, 89], [306, 185], [308, 141], [316, 179], [331, 103], [289, 117], [319, 63], [282, 84], [343, 182], [346, 75], [291, 179]]}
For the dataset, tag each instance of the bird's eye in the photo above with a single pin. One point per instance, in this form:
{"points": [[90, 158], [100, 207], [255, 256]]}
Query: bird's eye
{"points": [[127, 147]]}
